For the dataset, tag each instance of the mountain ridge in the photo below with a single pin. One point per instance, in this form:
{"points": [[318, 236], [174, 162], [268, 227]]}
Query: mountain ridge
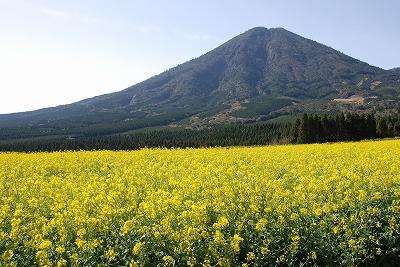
{"points": [[261, 74]]}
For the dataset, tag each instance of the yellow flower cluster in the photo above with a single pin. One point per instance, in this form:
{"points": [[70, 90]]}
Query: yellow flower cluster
{"points": [[322, 204]]}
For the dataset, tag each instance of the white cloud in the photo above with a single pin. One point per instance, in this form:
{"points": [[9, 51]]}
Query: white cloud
{"points": [[54, 12]]}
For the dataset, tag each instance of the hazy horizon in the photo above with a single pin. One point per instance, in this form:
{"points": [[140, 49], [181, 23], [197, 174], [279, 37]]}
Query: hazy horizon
{"points": [[55, 53]]}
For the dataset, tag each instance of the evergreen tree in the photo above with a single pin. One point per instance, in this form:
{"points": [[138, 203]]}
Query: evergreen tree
{"points": [[341, 127], [381, 127], [304, 130], [294, 132], [396, 127]]}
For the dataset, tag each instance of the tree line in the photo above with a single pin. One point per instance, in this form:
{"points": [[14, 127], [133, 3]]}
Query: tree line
{"points": [[342, 127], [229, 135], [306, 129]]}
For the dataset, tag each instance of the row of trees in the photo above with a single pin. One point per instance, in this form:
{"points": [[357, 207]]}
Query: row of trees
{"points": [[342, 127], [231, 135], [306, 129], [388, 126]]}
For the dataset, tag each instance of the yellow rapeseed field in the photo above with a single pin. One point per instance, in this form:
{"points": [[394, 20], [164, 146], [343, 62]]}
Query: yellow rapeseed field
{"points": [[322, 204]]}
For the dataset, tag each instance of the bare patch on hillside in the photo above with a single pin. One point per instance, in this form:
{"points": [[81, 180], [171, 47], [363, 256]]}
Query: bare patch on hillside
{"points": [[375, 84], [219, 118], [361, 82], [354, 99]]}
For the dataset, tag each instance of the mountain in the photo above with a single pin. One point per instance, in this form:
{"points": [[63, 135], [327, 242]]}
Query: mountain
{"points": [[395, 70], [260, 75]]}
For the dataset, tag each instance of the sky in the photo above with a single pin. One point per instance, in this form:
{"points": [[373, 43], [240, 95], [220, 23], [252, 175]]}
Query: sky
{"points": [[61, 51]]}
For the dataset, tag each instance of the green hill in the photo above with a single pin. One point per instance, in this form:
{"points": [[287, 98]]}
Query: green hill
{"points": [[260, 75]]}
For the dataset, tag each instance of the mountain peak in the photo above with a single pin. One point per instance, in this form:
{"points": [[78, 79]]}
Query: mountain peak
{"points": [[261, 74], [265, 29], [258, 28]]}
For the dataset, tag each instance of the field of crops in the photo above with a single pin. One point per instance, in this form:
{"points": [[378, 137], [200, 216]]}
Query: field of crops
{"points": [[323, 204]]}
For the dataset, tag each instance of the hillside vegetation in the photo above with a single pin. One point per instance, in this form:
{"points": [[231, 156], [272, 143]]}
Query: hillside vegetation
{"points": [[260, 75], [306, 129]]}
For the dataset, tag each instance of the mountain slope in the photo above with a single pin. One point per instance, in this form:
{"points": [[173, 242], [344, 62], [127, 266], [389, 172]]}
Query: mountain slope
{"points": [[261, 74]]}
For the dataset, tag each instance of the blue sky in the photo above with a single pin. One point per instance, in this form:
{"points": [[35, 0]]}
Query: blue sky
{"points": [[61, 51]]}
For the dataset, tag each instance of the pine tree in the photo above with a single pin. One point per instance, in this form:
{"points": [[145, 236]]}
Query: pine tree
{"points": [[294, 132], [304, 130], [381, 127]]}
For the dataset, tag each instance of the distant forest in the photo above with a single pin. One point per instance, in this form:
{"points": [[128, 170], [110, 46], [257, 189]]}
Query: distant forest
{"points": [[306, 129]]}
